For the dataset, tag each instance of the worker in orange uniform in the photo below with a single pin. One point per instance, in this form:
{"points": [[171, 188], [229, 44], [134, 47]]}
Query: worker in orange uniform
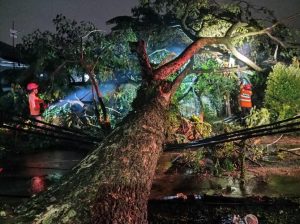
{"points": [[245, 99], [34, 101]]}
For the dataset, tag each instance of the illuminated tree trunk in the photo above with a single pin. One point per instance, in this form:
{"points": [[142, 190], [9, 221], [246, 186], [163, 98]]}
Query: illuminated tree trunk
{"points": [[105, 122]]}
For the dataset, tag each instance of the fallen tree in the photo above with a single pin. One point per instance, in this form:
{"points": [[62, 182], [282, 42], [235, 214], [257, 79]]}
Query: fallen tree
{"points": [[112, 184]]}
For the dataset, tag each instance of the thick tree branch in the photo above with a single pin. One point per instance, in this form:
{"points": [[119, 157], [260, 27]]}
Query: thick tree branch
{"points": [[233, 28], [93, 31], [168, 58], [176, 83], [140, 48], [173, 66], [220, 70], [190, 32], [267, 31], [251, 34], [276, 40], [105, 123], [242, 57]]}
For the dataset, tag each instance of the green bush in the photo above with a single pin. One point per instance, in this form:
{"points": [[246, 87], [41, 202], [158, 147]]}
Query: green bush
{"points": [[15, 101], [282, 94], [258, 117], [203, 128]]}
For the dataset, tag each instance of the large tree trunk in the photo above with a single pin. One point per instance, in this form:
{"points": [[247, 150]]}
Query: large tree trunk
{"points": [[112, 184]]}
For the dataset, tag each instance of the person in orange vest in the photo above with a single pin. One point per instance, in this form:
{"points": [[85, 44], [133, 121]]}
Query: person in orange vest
{"points": [[34, 101], [245, 98]]}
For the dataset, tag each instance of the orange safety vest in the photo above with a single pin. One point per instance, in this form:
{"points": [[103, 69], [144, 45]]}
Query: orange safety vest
{"points": [[245, 98]]}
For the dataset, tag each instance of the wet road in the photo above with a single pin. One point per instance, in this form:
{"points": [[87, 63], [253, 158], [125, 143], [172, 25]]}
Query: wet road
{"points": [[24, 175]]}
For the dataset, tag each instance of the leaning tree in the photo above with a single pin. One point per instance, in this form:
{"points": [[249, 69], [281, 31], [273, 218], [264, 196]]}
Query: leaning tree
{"points": [[112, 184]]}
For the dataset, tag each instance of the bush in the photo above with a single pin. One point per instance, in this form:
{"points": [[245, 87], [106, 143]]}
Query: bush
{"points": [[203, 128], [282, 94], [258, 117], [15, 101]]}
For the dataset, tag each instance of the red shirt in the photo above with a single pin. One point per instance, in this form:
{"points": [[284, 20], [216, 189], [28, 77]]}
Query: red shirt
{"points": [[34, 104]]}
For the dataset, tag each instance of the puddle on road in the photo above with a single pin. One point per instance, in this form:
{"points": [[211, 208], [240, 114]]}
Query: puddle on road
{"points": [[24, 175], [270, 186]]}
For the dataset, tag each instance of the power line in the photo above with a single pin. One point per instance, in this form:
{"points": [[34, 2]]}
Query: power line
{"points": [[17, 119], [47, 134], [263, 130]]}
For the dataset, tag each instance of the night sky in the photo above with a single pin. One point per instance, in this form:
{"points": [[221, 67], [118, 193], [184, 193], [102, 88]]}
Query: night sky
{"points": [[29, 15]]}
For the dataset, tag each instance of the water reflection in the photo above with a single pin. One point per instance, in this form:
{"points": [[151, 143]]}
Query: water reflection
{"points": [[28, 174], [38, 184], [271, 186]]}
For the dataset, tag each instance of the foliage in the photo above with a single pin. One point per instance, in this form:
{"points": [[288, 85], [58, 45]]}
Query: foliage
{"points": [[173, 121], [180, 129], [224, 151], [119, 102], [228, 165], [47, 51], [201, 127], [61, 116], [15, 101], [168, 21], [224, 157], [193, 161], [224, 127], [282, 94], [289, 36], [197, 15], [258, 81], [214, 160], [210, 88], [258, 117], [209, 112], [256, 152], [63, 54], [66, 115], [216, 87]]}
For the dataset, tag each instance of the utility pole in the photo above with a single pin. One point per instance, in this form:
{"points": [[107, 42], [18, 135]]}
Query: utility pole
{"points": [[13, 35]]}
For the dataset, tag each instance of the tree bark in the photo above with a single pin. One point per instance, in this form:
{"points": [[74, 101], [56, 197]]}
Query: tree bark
{"points": [[112, 184]]}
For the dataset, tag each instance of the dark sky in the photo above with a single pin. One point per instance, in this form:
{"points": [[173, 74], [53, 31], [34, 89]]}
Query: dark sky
{"points": [[29, 15]]}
